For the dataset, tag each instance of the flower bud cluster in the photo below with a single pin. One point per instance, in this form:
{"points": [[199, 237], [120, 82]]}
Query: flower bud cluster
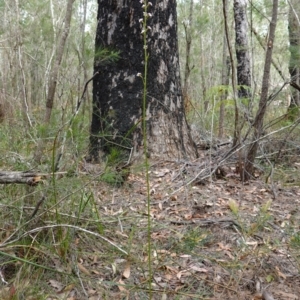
{"points": [[146, 15]]}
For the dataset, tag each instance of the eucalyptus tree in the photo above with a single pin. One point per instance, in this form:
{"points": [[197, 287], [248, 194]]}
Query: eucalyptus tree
{"points": [[258, 122], [188, 25], [117, 90], [59, 51], [242, 53], [294, 63]]}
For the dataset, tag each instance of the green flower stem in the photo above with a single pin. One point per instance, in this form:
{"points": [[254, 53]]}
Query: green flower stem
{"points": [[144, 128]]}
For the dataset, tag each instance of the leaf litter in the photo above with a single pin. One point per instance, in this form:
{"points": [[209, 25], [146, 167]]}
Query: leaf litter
{"points": [[212, 238]]}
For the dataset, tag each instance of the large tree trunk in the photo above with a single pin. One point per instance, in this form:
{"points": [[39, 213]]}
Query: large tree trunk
{"points": [[117, 90], [294, 64]]}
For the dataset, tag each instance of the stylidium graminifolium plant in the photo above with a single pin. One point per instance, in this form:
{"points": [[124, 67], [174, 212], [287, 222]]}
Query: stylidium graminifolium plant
{"points": [[145, 29]]}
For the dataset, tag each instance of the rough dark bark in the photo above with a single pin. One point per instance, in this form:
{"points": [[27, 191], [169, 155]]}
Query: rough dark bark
{"points": [[236, 136], [259, 118], [117, 90], [294, 37], [243, 61], [242, 52]]}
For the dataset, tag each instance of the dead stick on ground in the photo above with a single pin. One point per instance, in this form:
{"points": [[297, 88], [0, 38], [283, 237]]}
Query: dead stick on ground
{"points": [[30, 178]]}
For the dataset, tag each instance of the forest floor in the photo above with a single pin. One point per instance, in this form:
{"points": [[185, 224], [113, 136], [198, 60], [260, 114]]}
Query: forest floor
{"points": [[210, 239]]}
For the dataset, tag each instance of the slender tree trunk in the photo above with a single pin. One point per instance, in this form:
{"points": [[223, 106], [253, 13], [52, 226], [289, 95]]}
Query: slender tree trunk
{"points": [[55, 69], [203, 76], [224, 81], [117, 90], [225, 84], [242, 56], [243, 70], [259, 118], [274, 64], [236, 136], [53, 76], [187, 69], [294, 64], [25, 100], [82, 56]]}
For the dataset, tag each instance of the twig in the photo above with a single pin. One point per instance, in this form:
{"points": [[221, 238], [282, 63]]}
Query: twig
{"points": [[37, 207], [76, 272], [229, 154], [65, 226], [70, 123], [84, 91], [206, 222], [5, 242]]}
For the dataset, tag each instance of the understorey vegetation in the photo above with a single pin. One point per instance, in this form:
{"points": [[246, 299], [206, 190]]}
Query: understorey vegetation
{"points": [[156, 160]]}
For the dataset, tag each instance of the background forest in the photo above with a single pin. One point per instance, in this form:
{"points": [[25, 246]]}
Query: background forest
{"points": [[81, 233]]}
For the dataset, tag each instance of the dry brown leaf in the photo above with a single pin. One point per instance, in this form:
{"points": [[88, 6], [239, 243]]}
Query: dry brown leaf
{"points": [[121, 286], [173, 198], [126, 272], [168, 277], [223, 247], [288, 296], [161, 173], [83, 269], [169, 269], [67, 289], [188, 216], [179, 274], [228, 254], [91, 292], [121, 234], [279, 273], [201, 270], [58, 286]]}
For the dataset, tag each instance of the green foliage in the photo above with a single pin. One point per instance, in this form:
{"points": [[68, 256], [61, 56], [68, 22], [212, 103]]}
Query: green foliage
{"points": [[295, 241], [114, 156], [194, 238], [104, 55], [233, 207], [259, 221], [292, 114], [112, 177]]}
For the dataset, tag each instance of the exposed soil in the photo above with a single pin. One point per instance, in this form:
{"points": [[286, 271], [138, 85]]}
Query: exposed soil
{"points": [[205, 251]]}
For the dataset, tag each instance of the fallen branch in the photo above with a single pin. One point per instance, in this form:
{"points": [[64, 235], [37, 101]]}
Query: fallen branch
{"points": [[30, 178], [207, 222]]}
